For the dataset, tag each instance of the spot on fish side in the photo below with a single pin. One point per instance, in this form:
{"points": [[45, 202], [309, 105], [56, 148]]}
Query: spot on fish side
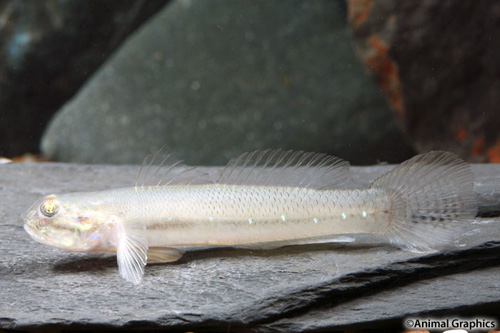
{"points": [[95, 235]]}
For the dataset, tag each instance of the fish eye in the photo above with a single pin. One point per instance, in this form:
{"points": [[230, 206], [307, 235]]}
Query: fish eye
{"points": [[49, 208]]}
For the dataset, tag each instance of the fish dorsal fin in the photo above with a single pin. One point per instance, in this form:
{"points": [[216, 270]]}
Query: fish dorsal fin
{"points": [[161, 169], [285, 168]]}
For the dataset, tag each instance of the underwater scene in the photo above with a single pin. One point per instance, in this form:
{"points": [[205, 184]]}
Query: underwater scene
{"points": [[249, 165]]}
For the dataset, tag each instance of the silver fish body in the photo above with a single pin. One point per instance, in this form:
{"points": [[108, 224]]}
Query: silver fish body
{"points": [[243, 215], [421, 205]]}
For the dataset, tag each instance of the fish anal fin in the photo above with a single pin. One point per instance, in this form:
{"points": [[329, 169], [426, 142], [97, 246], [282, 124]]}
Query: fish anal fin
{"points": [[285, 168], [305, 241], [163, 254]]}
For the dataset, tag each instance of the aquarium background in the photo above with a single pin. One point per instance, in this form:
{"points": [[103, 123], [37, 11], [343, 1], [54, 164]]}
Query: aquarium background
{"points": [[370, 81]]}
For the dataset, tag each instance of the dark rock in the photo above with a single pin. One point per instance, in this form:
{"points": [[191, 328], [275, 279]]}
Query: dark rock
{"points": [[301, 288], [49, 48], [438, 65], [210, 79]]}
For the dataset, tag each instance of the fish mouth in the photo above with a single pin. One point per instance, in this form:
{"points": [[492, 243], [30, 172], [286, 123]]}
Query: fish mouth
{"points": [[29, 216], [33, 234]]}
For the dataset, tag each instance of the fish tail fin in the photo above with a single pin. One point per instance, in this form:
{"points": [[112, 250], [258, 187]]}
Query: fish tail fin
{"points": [[432, 201]]}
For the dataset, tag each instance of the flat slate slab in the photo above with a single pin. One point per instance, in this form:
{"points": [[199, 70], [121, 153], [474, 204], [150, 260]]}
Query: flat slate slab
{"points": [[296, 288]]}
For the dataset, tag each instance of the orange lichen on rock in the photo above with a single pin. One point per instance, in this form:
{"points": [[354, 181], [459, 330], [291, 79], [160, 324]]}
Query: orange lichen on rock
{"points": [[493, 153], [461, 134], [477, 146], [387, 72], [358, 11], [28, 157]]}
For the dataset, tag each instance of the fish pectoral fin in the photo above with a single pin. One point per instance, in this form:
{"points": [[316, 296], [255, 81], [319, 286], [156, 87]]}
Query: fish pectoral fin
{"points": [[131, 250], [164, 254]]}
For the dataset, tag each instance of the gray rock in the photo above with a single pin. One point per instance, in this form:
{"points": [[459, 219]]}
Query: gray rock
{"points": [[210, 79], [437, 65], [301, 288], [49, 48]]}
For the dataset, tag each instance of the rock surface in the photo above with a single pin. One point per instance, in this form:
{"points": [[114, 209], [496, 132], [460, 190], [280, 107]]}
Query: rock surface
{"points": [[301, 288], [210, 79], [441, 76], [48, 49]]}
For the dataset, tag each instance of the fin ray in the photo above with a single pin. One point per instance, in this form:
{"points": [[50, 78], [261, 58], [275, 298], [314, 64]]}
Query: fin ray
{"points": [[433, 200], [131, 250], [285, 168], [164, 254], [163, 169], [305, 241]]}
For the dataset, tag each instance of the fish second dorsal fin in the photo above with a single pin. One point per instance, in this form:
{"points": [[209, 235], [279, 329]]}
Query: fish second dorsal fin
{"points": [[285, 168]]}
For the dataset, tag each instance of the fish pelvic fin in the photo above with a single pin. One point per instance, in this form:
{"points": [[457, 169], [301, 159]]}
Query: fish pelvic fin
{"points": [[432, 201], [158, 255], [131, 249]]}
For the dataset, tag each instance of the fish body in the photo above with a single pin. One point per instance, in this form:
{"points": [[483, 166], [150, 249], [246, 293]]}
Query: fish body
{"points": [[244, 215], [237, 215], [420, 205]]}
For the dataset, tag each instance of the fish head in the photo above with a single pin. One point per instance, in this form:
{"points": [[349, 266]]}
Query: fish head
{"points": [[66, 222]]}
